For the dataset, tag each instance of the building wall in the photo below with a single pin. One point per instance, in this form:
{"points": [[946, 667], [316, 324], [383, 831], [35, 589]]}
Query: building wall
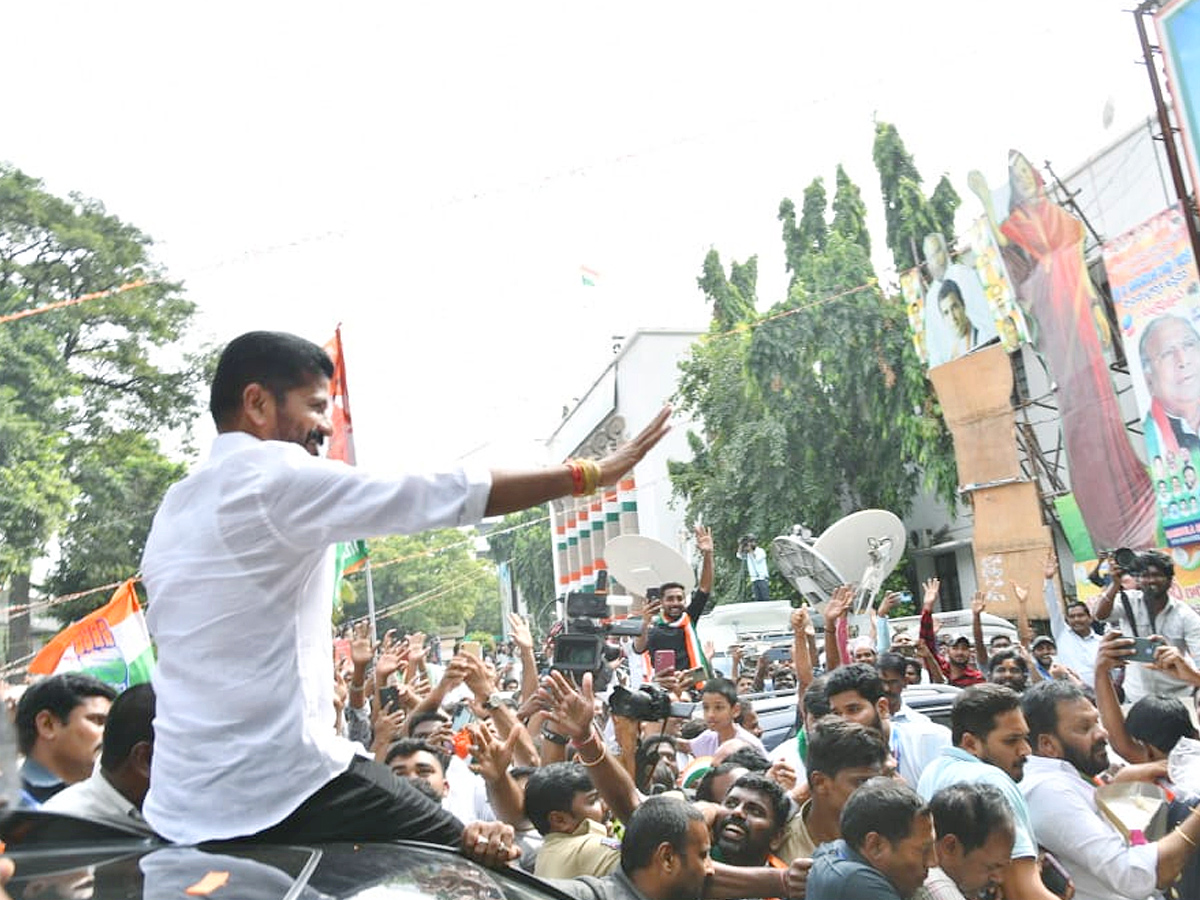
{"points": [[635, 386]]}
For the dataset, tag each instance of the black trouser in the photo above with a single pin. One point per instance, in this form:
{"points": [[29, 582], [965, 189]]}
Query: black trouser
{"points": [[367, 802], [761, 589]]}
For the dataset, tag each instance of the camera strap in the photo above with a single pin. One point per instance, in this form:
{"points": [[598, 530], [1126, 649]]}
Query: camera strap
{"points": [[1129, 612]]}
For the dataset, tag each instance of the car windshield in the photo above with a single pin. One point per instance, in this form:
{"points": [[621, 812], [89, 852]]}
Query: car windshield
{"points": [[110, 871]]}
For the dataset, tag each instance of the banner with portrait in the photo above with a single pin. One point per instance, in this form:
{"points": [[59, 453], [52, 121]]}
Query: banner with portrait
{"points": [[1156, 293], [959, 303]]}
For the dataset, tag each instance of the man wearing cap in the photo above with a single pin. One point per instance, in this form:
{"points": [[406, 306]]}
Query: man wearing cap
{"points": [[956, 663], [1043, 649]]}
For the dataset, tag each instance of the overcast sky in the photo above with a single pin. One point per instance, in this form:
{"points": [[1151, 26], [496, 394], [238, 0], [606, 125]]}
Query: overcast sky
{"points": [[433, 176]]}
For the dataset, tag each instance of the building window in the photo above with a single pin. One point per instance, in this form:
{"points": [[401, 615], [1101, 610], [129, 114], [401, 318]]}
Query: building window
{"points": [[945, 567]]}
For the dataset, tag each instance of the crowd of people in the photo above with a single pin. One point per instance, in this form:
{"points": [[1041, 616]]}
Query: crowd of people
{"points": [[515, 762]]}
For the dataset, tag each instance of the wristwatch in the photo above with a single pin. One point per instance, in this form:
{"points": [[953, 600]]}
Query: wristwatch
{"points": [[495, 699], [554, 737]]}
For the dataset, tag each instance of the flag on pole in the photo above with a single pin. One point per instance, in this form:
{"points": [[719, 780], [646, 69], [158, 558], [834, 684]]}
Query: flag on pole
{"points": [[111, 643], [350, 556], [590, 277]]}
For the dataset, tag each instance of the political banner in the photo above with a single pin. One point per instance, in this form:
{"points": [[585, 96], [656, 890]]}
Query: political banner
{"points": [[1156, 293]]}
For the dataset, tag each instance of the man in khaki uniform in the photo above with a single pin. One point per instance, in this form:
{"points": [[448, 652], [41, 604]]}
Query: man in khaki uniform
{"points": [[566, 809]]}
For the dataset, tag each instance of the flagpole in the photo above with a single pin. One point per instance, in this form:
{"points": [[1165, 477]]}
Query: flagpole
{"points": [[370, 600]]}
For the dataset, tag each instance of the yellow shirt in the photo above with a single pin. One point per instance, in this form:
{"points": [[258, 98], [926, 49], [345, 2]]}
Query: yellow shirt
{"points": [[588, 850]]}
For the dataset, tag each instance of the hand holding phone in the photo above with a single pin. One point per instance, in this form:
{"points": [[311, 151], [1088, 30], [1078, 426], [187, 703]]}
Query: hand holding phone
{"points": [[663, 660], [1143, 649]]}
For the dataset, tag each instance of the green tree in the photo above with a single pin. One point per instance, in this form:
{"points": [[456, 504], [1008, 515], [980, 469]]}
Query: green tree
{"points": [[910, 215], [819, 409], [523, 540], [426, 582], [120, 482], [75, 377]]}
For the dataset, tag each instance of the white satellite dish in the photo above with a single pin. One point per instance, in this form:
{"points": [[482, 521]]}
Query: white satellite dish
{"points": [[640, 562], [862, 548]]}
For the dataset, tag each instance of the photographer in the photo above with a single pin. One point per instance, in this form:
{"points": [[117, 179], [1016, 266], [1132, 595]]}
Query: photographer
{"points": [[756, 566], [1148, 612], [668, 625]]}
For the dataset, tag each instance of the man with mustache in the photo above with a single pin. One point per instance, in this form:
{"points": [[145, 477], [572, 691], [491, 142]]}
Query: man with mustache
{"points": [[239, 568], [1070, 747]]}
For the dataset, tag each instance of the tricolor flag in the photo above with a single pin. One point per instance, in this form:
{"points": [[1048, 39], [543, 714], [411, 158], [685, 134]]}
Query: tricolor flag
{"points": [[111, 643], [352, 556], [590, 277]]}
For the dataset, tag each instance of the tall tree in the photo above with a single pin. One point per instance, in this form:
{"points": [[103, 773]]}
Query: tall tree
{"points": [[522, 539], [73, 378], [426, 582], [909, 213], [849, 212], [810, 234], [732, 298], [820, 409]]}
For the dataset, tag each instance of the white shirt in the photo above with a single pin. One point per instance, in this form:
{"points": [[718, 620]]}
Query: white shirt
{"points": [[1178, 623], [239, 572], [915, 745], [1074, 652], [1068, 823], [96, 799]]}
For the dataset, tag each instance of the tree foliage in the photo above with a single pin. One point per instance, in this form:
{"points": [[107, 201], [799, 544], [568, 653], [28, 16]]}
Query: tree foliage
{"points": [[427, 582], [76, 378], [910, 215], [522, 539], [815, 409]]}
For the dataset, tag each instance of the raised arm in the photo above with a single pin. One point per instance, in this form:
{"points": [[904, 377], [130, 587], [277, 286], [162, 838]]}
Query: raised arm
{"points": [[523, 638], [928, 634], [516, 490], [800, 655], [1114, 649], [650, 609], [572, 713], [835, 609], [978, 608], [704, 543], [1024, 629]]}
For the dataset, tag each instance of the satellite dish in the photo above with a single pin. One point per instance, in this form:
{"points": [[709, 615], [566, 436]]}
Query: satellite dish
{"points": [[640, 562], [862, 548]]}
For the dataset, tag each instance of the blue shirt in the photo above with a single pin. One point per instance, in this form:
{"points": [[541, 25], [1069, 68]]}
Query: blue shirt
{"points": [[956, 766], [838, 873]]}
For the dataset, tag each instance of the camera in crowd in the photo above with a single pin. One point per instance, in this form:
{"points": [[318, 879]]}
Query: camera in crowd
{"points": [[746, 543], [582, 646], [648, 704]]}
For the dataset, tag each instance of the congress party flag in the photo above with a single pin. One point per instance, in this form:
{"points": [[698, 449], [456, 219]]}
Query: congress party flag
{"points": [[351, 556], [111, 643]]}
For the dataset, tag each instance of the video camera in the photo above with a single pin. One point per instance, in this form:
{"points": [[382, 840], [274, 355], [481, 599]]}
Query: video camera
{"points": [[649, 704], [581, 646]]}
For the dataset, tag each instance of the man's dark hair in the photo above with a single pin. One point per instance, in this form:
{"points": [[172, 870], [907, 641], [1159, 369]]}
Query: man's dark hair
{"points": [[816, 700], [667, 585], [552, 788], [859, 677], [692, 728], [722, 686], [950, 286], [1072, 604], [1040, 705], [890, 662], [1160, 561], [406, 747], [429, 715], [656, 820], [976, 708], [777, 799], [836, 744], [58, 694], [647, 759], [886, 806], [130, 722], [276, 360], [749, 758], [1159, 721], [1005, 655], [971, 812]]}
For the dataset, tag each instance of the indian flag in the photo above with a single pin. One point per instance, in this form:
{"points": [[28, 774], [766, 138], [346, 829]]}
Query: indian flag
{"points": [[351, 556], [590, 277], [111, 643]]}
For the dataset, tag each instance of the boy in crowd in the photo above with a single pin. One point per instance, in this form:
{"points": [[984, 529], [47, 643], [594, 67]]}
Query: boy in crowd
{"points": [[721, 709]]}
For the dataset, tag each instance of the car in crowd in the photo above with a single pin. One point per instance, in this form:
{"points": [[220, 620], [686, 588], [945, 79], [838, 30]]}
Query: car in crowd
{"points": [[60, 856]]}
